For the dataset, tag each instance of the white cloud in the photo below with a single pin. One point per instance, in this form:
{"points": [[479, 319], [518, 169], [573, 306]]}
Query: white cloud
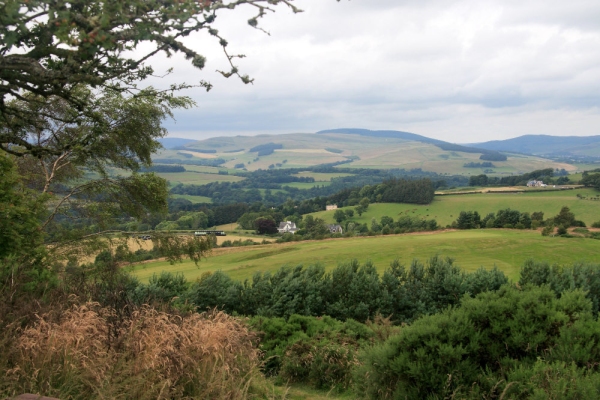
{"points": [[461, 70]]}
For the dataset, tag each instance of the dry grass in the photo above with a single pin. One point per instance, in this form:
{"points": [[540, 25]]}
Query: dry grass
{"points": [[155, 355]]}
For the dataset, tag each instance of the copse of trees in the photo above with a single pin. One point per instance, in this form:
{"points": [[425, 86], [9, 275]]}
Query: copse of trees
{"points": [[591, 178], [479, 165], [514, 219], [163, 168], [350, 290], [517, 180], [265, 149]]}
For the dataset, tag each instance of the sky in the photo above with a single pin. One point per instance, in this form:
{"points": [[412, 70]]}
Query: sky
{"points": [[461, 71]]}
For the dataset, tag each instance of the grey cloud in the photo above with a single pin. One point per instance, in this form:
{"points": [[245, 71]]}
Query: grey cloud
{"points": [[441, 68]]}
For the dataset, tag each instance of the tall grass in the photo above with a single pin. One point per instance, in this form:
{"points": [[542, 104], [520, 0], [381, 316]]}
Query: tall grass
{"points": [[154, 355]]}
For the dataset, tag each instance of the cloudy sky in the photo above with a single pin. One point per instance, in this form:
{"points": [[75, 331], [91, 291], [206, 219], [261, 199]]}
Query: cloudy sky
{"points": [[461, 71]]}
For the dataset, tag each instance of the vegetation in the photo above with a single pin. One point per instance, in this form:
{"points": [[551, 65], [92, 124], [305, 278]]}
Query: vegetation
{"points": [[164, 169], [591, 179], [77, 135], [149, 354], [479, 165], [493, 157], [71, 113], [265, 149], [492, 345]]}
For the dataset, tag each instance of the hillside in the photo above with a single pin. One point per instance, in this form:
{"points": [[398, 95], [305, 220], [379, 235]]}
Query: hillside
{"points": [[171, 143], [350, 148], [547, 145]]}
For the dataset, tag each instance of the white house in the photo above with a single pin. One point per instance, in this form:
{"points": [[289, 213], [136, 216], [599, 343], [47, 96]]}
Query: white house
{"points": [[287, 227], [330, 207], [335, 228], [535, 183]]}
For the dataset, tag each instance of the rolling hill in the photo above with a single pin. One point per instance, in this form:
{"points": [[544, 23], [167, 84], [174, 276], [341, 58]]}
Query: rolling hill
{"points": [[350, 148], [547, 145]]}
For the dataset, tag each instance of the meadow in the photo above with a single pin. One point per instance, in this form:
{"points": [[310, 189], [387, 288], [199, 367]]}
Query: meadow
{"points": [[322, 176], [193, 199], [506, 249], [445, 209], [197, 178]]}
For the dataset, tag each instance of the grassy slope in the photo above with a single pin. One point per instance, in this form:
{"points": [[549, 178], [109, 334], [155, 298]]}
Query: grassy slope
{"points": [[193, 199], [302, 150], [445, 209], [507, 249], [197, 178]]}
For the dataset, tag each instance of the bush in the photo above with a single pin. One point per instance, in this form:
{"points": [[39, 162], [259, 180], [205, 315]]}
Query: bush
{"points": [[548, 230], [318, 351], [479, 344]]}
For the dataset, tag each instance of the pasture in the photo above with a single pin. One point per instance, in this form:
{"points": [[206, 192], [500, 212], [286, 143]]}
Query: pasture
{"points": [[193, 199], [322, 176], [306, 185], [197, 178], [445, 209], [507, 249]]}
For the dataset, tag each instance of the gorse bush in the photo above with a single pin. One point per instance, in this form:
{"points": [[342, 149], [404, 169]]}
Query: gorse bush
{"points": [[481, 346], [319, 351], [155, 356]]}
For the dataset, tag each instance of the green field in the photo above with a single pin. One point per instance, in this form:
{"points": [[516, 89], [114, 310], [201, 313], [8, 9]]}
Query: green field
{"points": [[322, 176], [507, 249], [201, 168], [193, 199], [445, 209], [306, 185], [197, 178]]}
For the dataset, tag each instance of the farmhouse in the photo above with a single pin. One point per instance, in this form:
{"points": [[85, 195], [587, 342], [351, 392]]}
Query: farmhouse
{"points": [[330, 207], [335, 228], [287, 227], [535, 183]]}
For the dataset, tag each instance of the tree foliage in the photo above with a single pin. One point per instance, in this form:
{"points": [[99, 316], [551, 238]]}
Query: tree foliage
{"points": [[49, 48]]}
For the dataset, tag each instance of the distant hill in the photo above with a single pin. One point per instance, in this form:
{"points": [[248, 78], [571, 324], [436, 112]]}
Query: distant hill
{"points": [[348, 148], [416, 138], [171, 143], [547, 145]]}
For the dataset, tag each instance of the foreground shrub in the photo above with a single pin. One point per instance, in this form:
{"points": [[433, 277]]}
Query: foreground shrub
{"points": [[318, 351], [154, 355], [480, 343]]}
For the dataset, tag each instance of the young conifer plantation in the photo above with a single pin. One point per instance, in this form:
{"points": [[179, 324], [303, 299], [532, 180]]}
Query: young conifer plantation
{"points": [[75, 324]]}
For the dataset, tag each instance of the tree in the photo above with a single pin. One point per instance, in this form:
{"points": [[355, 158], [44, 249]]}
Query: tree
{"points": [[468, 220], [362, 206], [339, 215], [591, 179], [565, 217], [478, 180], [266, 226], [315, 226], [50, 48]]}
